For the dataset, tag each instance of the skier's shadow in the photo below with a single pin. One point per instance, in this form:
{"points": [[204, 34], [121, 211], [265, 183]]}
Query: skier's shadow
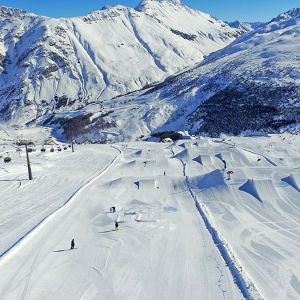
{"points": [[62, 250], [106, 231]]}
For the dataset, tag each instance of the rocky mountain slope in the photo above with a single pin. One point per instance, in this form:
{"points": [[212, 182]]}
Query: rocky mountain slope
{"points": [[58, 65], [252, 84]]}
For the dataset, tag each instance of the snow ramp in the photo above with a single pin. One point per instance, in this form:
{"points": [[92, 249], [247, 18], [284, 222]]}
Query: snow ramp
{"points": [[296, 178], [225, 155], [250, 188], [136, 154], [266, 190], [146, 184], [182, 155], [204, 160], [186, 145], [200, 144], [293, 180], [232, 159], [254, 158]]}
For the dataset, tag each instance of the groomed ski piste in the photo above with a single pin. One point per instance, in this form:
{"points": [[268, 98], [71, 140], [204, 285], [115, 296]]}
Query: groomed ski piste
{"points": [[188, 228]]}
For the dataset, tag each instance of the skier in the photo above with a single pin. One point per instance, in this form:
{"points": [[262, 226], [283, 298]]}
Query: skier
{"points": [[116, 225], [113, 209], [164, 173], [72, 244], [229, 172]]}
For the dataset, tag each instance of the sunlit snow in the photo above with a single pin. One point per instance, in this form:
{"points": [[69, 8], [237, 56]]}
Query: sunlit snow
{"points": [[188, 228]]}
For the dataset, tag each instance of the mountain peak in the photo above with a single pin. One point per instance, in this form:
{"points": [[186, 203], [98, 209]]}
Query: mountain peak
{"points": [[146, 4], [8, 12], [175, 1], [291, 14]]}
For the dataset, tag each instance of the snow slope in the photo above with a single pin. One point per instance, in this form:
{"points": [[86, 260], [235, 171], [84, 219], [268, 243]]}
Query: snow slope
{"points": [[193, 233], [55, 65], [252, 84]]}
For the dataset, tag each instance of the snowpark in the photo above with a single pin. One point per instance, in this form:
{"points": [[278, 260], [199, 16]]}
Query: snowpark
{"points": [[189, 228]]}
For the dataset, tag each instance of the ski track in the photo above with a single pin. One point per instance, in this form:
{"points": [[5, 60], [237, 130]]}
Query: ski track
{"points": [[26, 238], [219, 244], [162, 219]]}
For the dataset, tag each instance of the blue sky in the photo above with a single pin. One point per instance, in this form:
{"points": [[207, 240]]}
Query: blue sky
{"points": [[242, 10]]}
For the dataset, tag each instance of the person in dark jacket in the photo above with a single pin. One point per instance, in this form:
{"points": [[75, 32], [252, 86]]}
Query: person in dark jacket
{"points": [[116, 225], [224, 162], [72, 244]]}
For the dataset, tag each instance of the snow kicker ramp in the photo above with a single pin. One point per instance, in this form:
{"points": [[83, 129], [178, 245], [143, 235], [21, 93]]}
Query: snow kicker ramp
{"points": [[293, 180], [204, 160], [182, 155], [211, 185], [200, 144], [234, 158], [250, 188], [228, 158], [146, 184], [254, 158], [262, 190], [186, 145]]}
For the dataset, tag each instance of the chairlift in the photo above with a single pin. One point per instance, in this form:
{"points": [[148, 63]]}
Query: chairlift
{"points": [[58, 149], [52, 150], [65, 148], [43, 150], [29, 150]]}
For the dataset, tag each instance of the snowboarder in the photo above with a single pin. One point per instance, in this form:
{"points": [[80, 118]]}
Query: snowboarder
{"points": [[164, 173], [116, 225], [229, 173], [72, 244], [224, 161]]}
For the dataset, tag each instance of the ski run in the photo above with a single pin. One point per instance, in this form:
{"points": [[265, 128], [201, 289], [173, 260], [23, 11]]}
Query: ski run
{"points": [[188, 227]]}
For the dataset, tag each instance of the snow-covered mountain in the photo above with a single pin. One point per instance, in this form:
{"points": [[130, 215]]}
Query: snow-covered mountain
{"points": [[245, 26], [55, 65], [252, 84]]}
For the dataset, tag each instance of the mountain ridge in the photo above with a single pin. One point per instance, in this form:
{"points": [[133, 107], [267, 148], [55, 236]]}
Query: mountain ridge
{"points": [[64, 64], [252, 84], [154, 75]]}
